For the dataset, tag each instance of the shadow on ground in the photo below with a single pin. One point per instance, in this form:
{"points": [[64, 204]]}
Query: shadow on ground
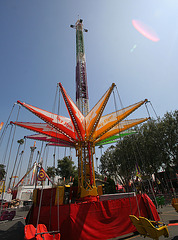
{"points": [[175, 238], [15, 232]]}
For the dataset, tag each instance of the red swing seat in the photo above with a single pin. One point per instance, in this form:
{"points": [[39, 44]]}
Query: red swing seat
{"points": [[30, 232], [42, 233]]}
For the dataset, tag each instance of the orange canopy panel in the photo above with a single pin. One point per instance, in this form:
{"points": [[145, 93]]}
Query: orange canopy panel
{"points": [[122, 126], [94, 115], [44, 128], [52, 140], [77, 117], [110, 120], [63, 124]]}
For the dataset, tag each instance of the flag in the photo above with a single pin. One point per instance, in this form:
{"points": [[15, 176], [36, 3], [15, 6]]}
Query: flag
{"points": [[153, 177], [2, 186], [1, 125], [138, 171], [158, 182], [42, 175]]}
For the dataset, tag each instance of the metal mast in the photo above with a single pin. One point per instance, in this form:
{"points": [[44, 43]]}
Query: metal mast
{"points": [[82, 101], [30, 163]]}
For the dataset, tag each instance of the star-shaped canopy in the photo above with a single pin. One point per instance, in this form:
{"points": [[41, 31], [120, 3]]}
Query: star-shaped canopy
{"points": [[95, 128]]}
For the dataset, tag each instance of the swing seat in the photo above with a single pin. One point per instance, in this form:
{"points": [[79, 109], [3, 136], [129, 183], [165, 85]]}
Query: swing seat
{"points": [[174, 200], [175, 203], [4, 216], [42, 233], [137, 223], [11, 215], [30, 232], [154, 231], [176, 206]]}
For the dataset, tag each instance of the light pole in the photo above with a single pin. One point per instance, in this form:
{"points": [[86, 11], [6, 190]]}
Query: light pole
{"points": [[97, 164], [101, 146], [20, 142]]}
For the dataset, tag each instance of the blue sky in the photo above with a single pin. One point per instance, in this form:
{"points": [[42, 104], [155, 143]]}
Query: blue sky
{"points": [[37, 50]]}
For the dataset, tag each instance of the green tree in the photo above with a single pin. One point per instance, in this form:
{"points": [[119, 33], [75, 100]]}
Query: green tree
{"points": [[110, 186], [2, 171], [169, 125], [108, 164], [125, 158], [149, 147], [51, 171], [159, 144], [153, 146], [66, 168]]}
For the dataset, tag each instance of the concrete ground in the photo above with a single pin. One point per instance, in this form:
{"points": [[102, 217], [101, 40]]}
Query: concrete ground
{"points": [[15, 229]]}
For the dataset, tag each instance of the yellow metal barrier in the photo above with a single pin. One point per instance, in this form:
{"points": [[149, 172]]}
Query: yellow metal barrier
{"points": [[35, 191], [100, 190], [59, 199]]}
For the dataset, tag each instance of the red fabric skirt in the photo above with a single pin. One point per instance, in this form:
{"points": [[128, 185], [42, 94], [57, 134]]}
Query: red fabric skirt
{"points": [[94, 220]]}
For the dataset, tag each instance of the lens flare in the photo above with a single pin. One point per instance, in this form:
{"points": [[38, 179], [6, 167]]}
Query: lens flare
{"points": [[145, 30], [133, 48]]}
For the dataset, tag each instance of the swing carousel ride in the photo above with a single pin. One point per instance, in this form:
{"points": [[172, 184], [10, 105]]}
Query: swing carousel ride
{"points": [[89, 217], [84, 129]]}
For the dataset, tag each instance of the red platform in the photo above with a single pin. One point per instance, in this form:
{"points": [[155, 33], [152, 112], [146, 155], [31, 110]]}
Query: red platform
{"points": [[93, 220]]}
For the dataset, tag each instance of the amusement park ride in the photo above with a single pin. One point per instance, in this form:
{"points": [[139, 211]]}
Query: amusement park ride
{"points": [[84, 129], [90, 217]]}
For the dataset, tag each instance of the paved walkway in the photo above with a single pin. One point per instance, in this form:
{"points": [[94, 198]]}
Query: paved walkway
{"points": [[13, 229]]}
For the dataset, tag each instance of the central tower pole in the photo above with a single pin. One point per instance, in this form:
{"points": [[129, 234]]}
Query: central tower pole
{"points": [[82, 101], [85, 150]]}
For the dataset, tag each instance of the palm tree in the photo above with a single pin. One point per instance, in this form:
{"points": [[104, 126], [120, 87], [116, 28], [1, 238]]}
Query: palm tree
{"points": [[20, 142], [2, 171]]}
